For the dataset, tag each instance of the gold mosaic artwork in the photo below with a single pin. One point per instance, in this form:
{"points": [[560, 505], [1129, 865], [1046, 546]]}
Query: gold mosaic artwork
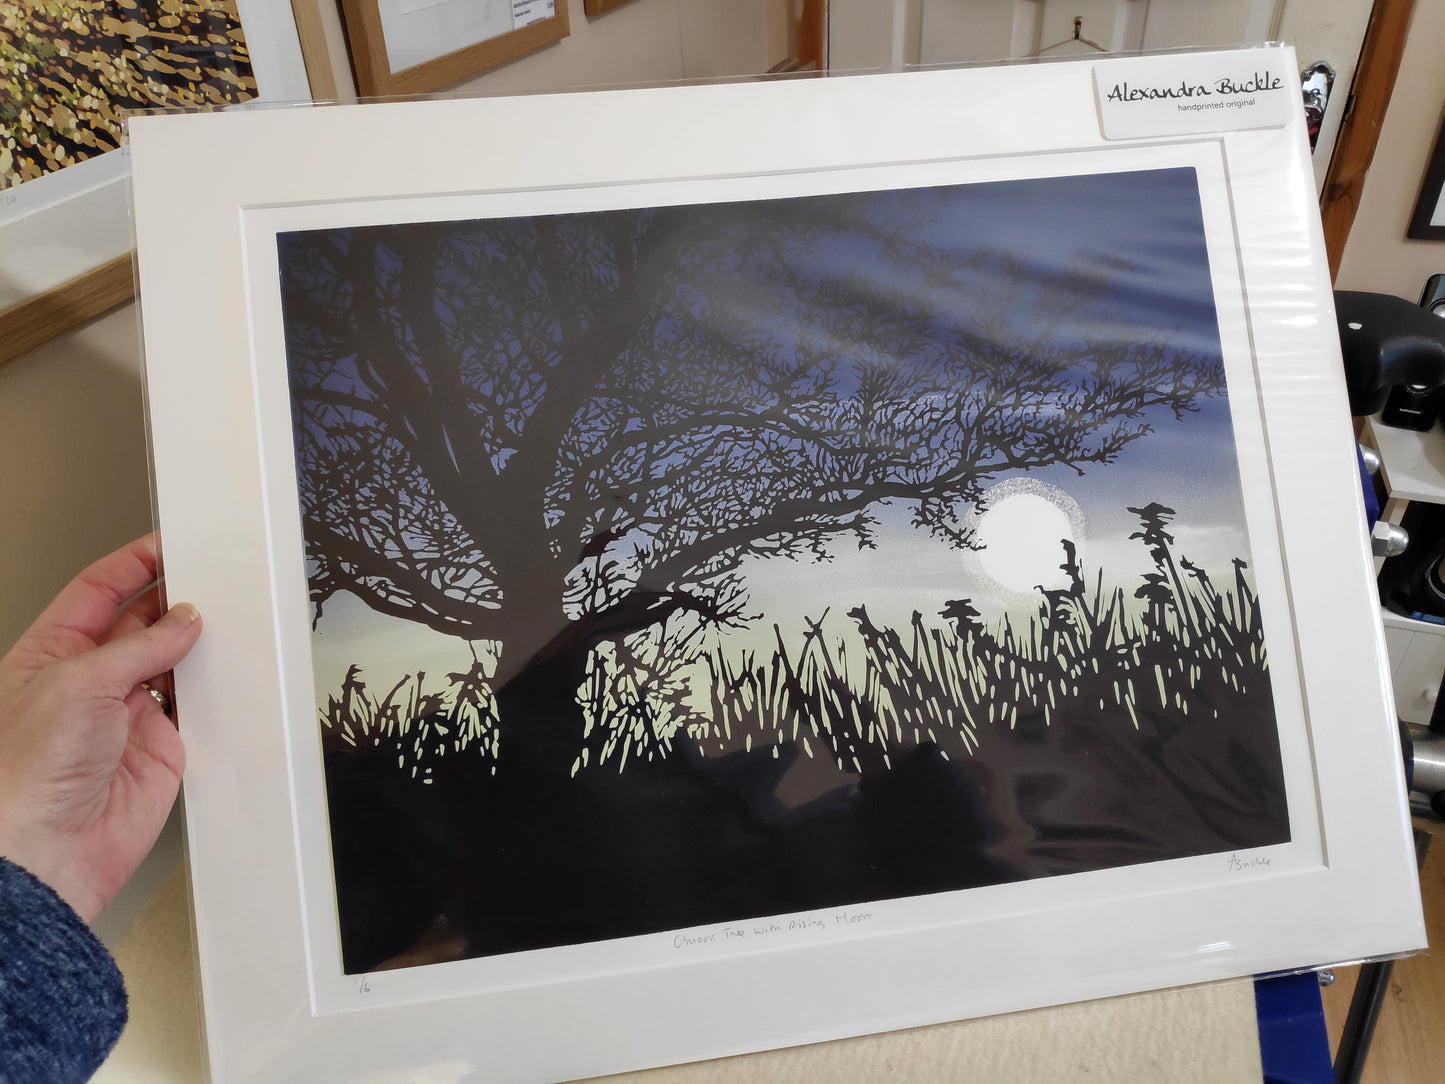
{"points": [[71, 69]]}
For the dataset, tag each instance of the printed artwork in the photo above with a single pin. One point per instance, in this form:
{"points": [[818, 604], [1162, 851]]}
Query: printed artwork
{"points": [[683, 565], [70, 69]]}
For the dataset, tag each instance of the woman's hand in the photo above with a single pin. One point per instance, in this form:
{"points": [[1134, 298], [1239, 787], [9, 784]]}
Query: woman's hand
{"points": [[90, 763]]}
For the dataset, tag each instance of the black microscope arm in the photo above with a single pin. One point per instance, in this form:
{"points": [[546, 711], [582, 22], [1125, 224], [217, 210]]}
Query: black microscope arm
{"points": [[1387, 341]]}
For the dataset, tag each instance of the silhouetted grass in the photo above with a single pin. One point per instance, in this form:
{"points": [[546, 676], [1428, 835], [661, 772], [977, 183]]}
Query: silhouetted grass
{"points": [[1184, 647], [1189, 650], [420, 726]]}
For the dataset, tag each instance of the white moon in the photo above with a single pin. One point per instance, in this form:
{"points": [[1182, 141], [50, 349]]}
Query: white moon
{"points": [[1021, 531]]}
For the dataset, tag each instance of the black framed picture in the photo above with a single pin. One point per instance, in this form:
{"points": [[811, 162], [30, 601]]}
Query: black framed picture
{"points": [[1428, 221]]}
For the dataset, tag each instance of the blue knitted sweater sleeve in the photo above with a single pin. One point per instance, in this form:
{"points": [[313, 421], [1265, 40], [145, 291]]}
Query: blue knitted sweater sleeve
{"points": [[62, 1000]]}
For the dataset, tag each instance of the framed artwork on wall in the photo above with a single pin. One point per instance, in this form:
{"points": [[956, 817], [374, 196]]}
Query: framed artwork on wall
{"points": [[417, 46], [1428, 221], [65, 233], [828, 566]]}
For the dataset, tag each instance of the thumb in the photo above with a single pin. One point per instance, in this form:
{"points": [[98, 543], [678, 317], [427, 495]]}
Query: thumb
{"points": [[128, 660]]}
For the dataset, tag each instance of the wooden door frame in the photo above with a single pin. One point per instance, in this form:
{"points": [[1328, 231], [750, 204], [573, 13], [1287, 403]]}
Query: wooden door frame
{"points": [[1359, 133]]}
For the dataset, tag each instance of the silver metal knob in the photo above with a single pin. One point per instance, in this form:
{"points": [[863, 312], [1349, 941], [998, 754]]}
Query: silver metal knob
{"points": [[1388, 540]]}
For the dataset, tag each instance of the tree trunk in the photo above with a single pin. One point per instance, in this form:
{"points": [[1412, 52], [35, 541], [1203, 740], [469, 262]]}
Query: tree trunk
{"points": [[542, 722]]}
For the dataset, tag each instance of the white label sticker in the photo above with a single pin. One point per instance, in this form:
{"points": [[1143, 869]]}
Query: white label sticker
{"points": [[525, 12], [1190, 93]]}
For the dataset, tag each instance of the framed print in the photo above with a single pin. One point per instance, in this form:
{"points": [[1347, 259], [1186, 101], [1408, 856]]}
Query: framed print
{"points": [[416, 46], [65, 233], [748, 590], [1428, 221]]}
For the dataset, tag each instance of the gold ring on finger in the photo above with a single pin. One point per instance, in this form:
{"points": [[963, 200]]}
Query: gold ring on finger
{"points": [[159, 697]]}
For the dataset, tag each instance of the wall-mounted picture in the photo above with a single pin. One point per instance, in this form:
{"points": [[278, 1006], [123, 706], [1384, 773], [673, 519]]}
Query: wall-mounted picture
{"points": [[1428, 221], [75, 67], [696, 564], [416, 46], [71, 72]]}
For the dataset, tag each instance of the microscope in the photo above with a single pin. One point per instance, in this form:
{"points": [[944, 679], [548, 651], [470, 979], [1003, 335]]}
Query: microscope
{"points": [[1394, 355]]}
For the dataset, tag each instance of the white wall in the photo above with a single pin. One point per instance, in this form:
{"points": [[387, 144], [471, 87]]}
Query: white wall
{"points": [[868, 34], [1378, 256], [651, 41], [73, 477]]}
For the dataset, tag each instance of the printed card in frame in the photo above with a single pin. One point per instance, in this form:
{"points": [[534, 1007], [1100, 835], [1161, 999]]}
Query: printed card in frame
{"points": [[878, 569], [65, 225], [417, 46]]}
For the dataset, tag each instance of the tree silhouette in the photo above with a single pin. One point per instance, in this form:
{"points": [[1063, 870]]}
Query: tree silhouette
{"points": [[553, 432]]}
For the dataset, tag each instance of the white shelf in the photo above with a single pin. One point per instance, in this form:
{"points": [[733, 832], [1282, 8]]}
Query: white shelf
{"points": [[1417, 659], [1392, 620], [1414, 463]]}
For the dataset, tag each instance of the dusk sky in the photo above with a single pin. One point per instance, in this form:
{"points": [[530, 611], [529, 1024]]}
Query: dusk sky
{"points": [[1146, 228], [1054, 225]]}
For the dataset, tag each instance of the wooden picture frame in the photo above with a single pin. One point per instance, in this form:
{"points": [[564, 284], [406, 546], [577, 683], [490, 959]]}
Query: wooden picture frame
{"points": [[311, 30], [1428, 221], [36, 320], [601, 7], [379, 74]]}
